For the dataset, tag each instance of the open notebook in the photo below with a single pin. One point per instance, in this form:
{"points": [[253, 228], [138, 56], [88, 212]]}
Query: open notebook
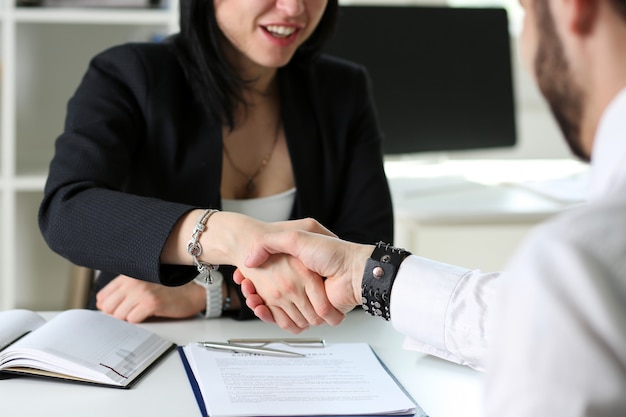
{"points": [[78, 345]]}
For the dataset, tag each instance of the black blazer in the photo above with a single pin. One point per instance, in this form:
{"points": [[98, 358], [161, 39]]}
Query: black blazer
{"points": [[138, 152]]}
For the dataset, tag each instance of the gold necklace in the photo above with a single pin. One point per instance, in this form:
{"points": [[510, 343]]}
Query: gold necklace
{"points": [[250, 186]]}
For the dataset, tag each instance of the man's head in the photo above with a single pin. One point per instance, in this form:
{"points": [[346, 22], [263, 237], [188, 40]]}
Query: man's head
{"points": [[560, 46]]}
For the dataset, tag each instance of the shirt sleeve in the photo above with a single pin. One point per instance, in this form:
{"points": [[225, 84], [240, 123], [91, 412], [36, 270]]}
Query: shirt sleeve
{"points": [[443, 309], [560, 340]]}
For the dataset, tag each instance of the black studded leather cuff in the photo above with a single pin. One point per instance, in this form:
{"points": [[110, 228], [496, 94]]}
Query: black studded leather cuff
{"points": [[380, 272]]}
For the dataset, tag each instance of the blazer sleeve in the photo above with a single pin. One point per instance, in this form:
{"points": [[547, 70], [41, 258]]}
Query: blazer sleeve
{"points": [[88, 214]]}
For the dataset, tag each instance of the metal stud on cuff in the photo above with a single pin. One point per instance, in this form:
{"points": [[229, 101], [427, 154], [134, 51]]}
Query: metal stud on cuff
{"points": [[380, 272]]}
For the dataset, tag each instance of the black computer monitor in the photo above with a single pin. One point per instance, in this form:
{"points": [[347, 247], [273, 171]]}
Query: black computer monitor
{"points": [[441, 76]]}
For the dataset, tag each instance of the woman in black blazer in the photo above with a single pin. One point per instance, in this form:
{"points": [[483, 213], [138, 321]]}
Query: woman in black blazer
{"points": [[238, 107]]}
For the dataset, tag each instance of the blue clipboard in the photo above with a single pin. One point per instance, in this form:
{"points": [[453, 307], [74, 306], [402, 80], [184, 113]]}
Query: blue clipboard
{"points": [[200, 400], [193, 382]]}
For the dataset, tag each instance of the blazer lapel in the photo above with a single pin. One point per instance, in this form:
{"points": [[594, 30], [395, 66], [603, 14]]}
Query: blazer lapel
{"points": [[303, 142]]}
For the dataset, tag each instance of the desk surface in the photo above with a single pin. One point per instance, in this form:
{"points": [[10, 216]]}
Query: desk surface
{"points": [[442, 389], [494, 191]]}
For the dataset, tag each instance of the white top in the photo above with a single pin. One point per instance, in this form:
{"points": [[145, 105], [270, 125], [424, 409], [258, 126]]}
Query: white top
{"points": [[556, 321], [275, 208]]}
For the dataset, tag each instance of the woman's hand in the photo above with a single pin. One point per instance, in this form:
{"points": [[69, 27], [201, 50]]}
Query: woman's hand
{"points": [[134, 300], [228, 239]]}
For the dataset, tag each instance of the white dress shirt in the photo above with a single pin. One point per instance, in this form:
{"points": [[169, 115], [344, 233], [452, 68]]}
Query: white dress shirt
{"points": [[443, 309], [551, 330]]}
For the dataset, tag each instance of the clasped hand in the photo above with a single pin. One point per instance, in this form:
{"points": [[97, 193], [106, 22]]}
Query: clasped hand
{"points": [[281, 288], [286, 297]]}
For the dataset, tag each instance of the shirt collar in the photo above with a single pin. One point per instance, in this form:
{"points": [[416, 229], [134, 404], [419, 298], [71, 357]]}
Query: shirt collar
{"points": [[609, 149]]}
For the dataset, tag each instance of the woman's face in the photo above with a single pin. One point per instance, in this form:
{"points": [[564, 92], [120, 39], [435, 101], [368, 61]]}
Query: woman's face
{"points": [[266, 33]]}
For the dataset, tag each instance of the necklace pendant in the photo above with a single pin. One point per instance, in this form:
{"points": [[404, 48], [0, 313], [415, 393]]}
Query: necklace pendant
{"points": [[250, 186]]}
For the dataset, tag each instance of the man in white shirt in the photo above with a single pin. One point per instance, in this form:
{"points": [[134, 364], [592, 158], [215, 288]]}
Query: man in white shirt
{"points": [[551, 330]]}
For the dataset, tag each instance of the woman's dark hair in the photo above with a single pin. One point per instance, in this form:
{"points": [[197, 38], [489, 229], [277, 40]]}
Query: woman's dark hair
{"points": [[620, 7], [214, 81]]}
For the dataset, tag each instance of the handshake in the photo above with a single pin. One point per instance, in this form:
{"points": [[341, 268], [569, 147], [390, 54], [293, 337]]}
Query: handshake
{"points": [[302, 276]]}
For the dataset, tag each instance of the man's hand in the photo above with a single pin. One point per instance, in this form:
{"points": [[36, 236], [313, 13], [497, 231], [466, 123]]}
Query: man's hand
{"points": [[303, 300], [341, 262], [134, 300]]}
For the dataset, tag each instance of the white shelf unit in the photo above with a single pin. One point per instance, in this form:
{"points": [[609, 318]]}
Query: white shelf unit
{"points": [[44, 53]]}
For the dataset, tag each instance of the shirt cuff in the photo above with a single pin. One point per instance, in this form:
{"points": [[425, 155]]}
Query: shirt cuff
{"points": [[419, 301]]}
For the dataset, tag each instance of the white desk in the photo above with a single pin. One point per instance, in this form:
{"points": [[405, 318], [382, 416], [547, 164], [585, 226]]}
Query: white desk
{"points": [[474, 213], [442, 389]]}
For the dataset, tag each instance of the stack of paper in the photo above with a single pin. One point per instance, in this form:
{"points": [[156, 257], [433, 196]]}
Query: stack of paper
{"points": [[344, 379]]}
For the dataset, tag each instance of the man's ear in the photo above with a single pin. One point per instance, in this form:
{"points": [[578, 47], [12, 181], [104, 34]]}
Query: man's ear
{"points": [[583, 15]]}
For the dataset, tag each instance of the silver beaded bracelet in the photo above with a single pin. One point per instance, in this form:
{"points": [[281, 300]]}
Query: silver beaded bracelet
{"points": [[194, 248]]}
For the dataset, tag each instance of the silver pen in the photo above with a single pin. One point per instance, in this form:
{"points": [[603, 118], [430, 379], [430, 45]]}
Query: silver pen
{"points": [[295, 342], [233, 347]]}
